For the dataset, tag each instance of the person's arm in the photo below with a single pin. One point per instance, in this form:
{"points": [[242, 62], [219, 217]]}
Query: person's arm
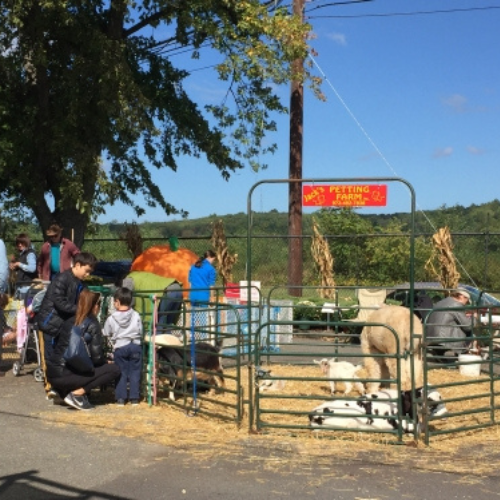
{"points": [[73, 249], [30, 266], [212, 278], [463, 321], [108, 330], [63, 300]]}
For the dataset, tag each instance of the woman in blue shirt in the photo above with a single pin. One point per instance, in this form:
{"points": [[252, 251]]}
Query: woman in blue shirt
{"points": [[202, 276]]}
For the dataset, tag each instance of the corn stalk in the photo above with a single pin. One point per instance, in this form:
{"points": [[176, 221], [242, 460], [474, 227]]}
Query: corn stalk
{"points": [[133, 239], [225, 261], [323, 261], [446, 270]]}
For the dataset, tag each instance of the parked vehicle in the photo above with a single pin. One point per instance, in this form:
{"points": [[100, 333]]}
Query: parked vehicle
{"points": [[401, 294], [112, 271]]}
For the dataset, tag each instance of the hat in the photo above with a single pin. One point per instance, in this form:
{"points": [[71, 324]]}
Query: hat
{"points": [[54, 230], [464, 293]]}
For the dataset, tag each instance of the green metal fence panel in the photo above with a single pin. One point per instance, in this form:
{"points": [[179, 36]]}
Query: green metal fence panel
{"points": [[469, 383], [289, 384], [192, 389]]}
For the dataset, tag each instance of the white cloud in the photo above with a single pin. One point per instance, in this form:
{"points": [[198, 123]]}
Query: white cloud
{"points": [[475, 151], [456, 102], [442, 152], [338, 38]]}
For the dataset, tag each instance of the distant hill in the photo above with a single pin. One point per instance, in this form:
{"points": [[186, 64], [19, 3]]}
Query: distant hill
{"points": [[476, 218], [473, 219]]}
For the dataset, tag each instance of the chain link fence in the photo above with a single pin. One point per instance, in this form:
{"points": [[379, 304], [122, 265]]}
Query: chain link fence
{"points": [[371, 259], [381, 259]]}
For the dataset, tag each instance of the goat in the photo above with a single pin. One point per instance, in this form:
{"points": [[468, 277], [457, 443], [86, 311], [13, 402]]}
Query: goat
{"points": [[377, 410], [338, 371], [173, 361]]}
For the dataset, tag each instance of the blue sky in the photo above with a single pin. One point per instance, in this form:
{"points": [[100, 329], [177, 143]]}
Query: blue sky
{"points": [[412, 96]]}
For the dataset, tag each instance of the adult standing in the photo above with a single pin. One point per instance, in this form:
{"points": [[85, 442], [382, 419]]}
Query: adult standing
{"points": [[56, 254], [4, 268], [202, 276], [449, 321], [25, 265]]}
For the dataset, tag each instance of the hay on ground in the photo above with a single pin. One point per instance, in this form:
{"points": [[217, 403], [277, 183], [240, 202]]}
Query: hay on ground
{"points": [[205, 436]]}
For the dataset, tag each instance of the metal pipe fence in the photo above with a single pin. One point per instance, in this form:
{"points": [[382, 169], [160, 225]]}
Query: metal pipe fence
{"points": [[369, 259], [374, 259]]}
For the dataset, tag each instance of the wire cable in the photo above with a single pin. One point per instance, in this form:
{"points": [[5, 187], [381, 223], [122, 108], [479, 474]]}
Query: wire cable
{"points": [[377, 149], [398, 14]]}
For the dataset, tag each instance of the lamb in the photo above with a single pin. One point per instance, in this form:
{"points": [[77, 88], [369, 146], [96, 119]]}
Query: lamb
{"points": [[338, 371], [381, 340]]}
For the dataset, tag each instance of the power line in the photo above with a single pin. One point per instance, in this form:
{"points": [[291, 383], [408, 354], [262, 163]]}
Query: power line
{"points": [[374, 145], [333, 4], [400, 14]]}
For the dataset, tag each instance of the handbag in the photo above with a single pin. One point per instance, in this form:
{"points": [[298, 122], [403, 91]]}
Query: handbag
{"points": [[77, 355]]}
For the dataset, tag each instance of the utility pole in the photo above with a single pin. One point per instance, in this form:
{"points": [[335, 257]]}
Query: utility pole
{"points": [[295, 171]]}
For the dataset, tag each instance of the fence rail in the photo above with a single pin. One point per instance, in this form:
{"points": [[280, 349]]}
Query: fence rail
{"points": [[376, 259]]}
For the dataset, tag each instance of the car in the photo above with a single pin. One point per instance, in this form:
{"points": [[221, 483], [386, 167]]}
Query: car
{"points": [[112, 271], [400, 294]]}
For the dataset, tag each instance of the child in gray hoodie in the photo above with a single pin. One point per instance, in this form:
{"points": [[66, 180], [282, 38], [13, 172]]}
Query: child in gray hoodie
{"points": [[124, 327]]}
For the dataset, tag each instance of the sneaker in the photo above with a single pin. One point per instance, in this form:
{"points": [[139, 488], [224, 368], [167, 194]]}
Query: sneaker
{"points": [[52, 394], [120, 402], [78, 402], [54, 397], [134, 402]]}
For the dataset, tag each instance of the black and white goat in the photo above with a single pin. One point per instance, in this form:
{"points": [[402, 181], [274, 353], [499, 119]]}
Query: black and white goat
{"points": [[378, 410]]}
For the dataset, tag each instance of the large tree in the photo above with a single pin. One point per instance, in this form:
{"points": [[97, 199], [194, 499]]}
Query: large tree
{"points": [[90, 98]]}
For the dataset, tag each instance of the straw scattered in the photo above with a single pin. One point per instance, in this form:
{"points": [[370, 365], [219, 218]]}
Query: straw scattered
{"points": [[205, 437]]}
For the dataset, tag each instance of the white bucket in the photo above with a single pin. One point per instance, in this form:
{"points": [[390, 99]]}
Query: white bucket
{"points": [[470, 370]]}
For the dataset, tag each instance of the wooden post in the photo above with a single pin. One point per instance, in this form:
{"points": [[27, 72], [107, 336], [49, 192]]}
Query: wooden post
{"points": [[295, 172]]}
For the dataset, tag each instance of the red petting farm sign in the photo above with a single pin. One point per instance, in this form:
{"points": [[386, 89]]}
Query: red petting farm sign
{"points": [[344, 195]]}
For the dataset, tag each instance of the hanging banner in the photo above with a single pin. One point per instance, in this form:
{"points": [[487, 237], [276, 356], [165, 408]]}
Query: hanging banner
{"points": [[344, 195]]}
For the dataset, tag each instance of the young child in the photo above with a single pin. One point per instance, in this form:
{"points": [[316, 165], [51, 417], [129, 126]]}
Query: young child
{"points": [[124, 327]]}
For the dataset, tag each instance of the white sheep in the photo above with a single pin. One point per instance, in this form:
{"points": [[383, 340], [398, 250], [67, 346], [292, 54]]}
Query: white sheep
{"points": [[381, 340], [340, 370]]}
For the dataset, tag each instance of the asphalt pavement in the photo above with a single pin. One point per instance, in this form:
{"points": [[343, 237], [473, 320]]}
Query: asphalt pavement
{"points": [[42, 461]]}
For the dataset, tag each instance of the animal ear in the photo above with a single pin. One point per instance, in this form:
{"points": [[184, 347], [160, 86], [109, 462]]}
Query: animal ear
{"points": [[316, 361]]}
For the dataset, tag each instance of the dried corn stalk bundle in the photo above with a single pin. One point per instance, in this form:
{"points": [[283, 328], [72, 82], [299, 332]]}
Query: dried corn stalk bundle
{"points": [[323, 261], [133, 239], [447, 273], [225, 261]]}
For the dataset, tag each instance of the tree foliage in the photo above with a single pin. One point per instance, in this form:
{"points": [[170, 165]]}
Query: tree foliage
{"points": [[90, 97]]}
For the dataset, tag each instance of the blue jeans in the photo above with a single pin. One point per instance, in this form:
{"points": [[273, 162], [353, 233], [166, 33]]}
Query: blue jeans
{"points": [[129, 359]]}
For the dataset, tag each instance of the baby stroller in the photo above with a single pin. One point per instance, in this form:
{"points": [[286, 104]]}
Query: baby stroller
{"points": [[28, 340]]}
